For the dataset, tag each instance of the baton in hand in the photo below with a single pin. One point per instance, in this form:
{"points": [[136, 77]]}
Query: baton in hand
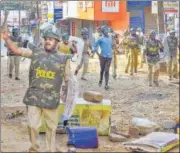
{"points": [[5, 19]]}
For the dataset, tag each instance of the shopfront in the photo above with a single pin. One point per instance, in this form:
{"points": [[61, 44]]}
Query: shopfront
{"points": [[95, 13]]}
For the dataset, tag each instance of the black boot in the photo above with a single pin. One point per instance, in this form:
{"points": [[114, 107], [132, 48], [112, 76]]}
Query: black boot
{"points": [[100, 83], [106, 87], [76, 72], [10, 76]]}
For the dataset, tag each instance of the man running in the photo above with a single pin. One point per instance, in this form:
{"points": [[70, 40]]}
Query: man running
{"points": [[106, 44]]}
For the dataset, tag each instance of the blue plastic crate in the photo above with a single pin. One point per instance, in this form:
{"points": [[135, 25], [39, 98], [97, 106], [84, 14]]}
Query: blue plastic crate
{"points": [[83, 137]]}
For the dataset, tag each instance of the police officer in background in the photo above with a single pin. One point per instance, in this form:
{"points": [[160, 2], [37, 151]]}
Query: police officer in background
{"points": [[13, 58], [133, 51], [153, 48], [47, 70], [141, 44], [172, 47], [85, 54], [66, 46], [115, 39]]}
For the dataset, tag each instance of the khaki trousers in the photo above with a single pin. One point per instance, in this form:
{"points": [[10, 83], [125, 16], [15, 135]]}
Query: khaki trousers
{"points": [[172, 67], [150, 73], [34, 121], [132, 61], [84, 62], [115, 63], [14, 62]]}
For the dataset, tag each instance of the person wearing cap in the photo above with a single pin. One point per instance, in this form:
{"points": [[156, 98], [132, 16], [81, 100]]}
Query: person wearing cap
{"points": [[141, 44], [67, 47], [171, 42], [13, 58], [48, 69], [115, 51], [96, 36], [153, 48], [124, 41], [98, 33], [133, 51], [106, 44], [85, 54]]}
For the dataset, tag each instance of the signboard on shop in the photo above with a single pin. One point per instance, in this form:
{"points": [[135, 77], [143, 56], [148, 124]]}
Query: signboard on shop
{"points": [[171, 7], [58, 10], [85, 4], [110, 6], [50, 11], [154, 7]]}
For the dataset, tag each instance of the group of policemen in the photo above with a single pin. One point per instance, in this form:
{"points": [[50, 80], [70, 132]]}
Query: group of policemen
{"points": [[149, 48], [134, 44]]}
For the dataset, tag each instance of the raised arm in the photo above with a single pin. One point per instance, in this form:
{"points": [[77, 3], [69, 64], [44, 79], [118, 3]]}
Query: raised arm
{"points": [[14, 48]]}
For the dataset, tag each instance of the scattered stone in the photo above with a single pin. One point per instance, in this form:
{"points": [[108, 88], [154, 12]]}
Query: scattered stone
{"points": [[114, 130], [61, 150], [133, 132], [144, 125], [168, 124], [72, 150], [117, 138], [107, 146]]}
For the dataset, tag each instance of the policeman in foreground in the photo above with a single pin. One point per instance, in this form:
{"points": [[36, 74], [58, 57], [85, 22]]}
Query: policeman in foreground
{"points": [[47, 71]]}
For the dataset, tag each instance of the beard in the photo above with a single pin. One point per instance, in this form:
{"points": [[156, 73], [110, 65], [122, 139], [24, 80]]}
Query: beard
{"points": [[50, 47]]}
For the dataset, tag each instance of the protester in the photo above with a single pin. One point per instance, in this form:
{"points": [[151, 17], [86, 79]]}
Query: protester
{"points": [[106, 44]]}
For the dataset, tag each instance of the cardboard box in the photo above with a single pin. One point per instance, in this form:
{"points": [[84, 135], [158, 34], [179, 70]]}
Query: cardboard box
{"points": [[88, 114]]}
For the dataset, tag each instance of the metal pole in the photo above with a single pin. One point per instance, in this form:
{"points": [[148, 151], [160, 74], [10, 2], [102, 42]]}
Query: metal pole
{"points": [[160, 18], [19, 17]]}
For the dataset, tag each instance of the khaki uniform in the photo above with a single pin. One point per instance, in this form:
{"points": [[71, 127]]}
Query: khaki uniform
{"points": [[153, 57], [115, 58], [34, 120], [13, 58], [172, 44], [69, 48], [132, 54], [141, 46], [85, 58], [14, 62], [42, 98]]}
